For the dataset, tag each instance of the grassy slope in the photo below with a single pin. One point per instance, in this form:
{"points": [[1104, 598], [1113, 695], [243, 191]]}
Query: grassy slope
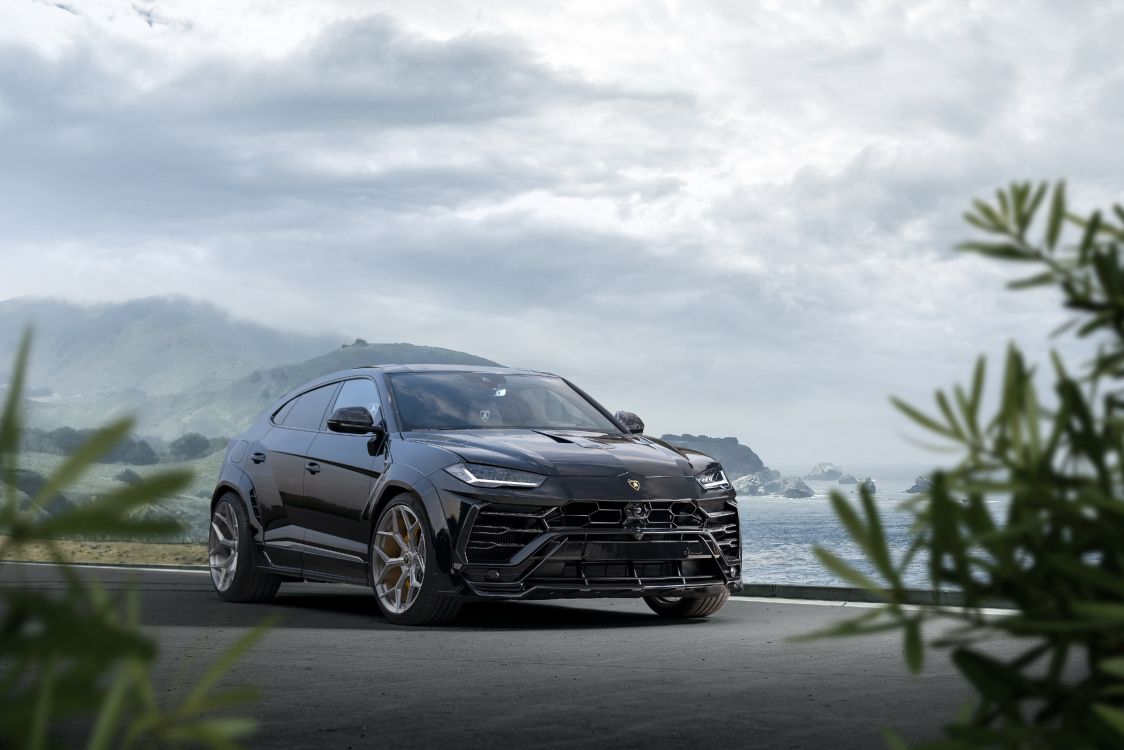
{"points": [[134, 553], [189, 507]]}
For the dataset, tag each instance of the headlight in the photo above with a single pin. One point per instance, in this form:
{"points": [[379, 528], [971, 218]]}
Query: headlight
{"points": [[494, 476], [713, 479]]}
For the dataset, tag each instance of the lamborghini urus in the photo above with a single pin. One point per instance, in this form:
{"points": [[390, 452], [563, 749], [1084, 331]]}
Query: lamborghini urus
{"points": [[436, 484]]}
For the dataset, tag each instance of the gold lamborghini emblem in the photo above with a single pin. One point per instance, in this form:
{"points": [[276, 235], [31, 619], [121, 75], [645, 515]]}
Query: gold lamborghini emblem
{"points": [[634, 484]]}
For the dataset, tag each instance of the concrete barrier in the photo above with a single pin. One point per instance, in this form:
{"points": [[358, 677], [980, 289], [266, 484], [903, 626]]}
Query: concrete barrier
{"points": [[850, 594]]}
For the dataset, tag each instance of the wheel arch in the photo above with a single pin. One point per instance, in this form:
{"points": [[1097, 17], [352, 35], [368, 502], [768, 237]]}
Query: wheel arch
{"points": [[407, 481], [233, 481]]}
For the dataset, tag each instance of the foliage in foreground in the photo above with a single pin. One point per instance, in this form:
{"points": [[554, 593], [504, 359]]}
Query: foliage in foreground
{"points": [[1058, 555], [79, 655]]}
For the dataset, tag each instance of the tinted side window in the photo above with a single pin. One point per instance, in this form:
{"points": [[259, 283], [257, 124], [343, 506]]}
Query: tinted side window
{"points": [[308, 412], [360, 392]]}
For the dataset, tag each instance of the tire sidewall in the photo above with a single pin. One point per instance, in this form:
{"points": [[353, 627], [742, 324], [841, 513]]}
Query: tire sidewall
{"points": [[236, 591], [415, 505]]}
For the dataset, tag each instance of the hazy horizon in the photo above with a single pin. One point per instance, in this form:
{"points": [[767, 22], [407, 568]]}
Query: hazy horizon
{"points": [[732, 219]]}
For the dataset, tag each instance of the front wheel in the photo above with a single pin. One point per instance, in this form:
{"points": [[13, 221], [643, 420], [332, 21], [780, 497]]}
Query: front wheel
{"points": [[681, 607], [401, 560]]}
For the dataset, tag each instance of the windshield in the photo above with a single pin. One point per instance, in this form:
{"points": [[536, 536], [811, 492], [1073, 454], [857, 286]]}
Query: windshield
{"points": [[481, 400]]}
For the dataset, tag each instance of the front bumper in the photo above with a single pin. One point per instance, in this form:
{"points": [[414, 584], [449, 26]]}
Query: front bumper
{"points": [[598, 549]]}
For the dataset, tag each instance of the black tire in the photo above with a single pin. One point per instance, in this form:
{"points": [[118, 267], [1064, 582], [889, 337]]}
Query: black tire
{"points": [[249, 584], [429, 608], [679, 608]]}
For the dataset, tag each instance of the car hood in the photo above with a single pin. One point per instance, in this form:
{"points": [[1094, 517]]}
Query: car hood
{"points": [[564, 453]]}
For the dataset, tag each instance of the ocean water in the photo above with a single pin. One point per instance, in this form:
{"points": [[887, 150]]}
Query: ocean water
{"points": [[778, 532]]}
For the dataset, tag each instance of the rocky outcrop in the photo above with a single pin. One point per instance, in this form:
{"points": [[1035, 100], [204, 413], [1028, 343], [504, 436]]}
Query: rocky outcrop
{"points": [[749, 485], [921, 484], [757, 482], [824, 472], [769, 482], [868, 485], [795, 487], [848, 479], [738, 460]]}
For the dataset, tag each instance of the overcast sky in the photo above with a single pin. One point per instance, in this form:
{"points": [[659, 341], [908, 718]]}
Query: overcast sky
{"points": [[732, 218]]}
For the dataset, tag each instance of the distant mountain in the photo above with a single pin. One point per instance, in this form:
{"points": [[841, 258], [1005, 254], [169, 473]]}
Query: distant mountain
{"points": [[152, 346], [177, 365], [738, 460]]}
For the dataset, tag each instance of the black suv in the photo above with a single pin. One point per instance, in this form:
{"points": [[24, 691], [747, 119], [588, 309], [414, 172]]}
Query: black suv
{"points": [[433, 484]]}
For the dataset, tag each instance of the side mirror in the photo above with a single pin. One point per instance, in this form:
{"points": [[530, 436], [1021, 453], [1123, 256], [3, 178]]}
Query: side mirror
{"points": [[631, 422], [352, 420]]}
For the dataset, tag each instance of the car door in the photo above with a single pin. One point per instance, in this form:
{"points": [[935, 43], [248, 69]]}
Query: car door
{"points": [[278, 465], [338, 492]]}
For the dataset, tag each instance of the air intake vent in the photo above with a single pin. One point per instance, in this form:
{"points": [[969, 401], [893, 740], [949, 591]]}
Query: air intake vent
{"points": [[500, 531]]}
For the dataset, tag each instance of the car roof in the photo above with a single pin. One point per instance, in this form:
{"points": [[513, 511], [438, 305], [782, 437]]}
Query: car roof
{"points": [[450, 368], [393, 368]]}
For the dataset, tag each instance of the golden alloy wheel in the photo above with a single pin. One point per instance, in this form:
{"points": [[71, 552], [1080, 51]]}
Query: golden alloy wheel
{"points": [[398, 558]]}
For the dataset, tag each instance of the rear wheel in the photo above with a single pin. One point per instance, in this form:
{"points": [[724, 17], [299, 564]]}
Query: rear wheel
{"points": [[230, 555], [681, 607], [401, 560]]}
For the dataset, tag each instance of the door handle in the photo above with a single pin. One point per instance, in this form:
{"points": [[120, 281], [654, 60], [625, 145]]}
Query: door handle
{"points": [[312, 467], [257, 457]]}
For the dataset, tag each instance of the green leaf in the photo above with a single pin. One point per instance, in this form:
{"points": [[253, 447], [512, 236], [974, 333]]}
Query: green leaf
{"points": [[1032, 208], [10, 431], [222, 665], [842, 569], [914, 648], [864, 625], [1090, 236], [109, 717], [98, 445], [1102, 611], [893, 740], [1114, 666], [1111, 716], [920, 418], [40, 717], [1039, 279], [1000, 250], [1057, 215], [107, 514]]}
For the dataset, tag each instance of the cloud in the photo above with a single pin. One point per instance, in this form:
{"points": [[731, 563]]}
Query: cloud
{"points": [[732, 218]]}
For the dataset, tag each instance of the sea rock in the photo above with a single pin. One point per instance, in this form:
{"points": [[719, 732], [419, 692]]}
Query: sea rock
{"points": [[774, 487], [767, 475], [795, 487], [921, 484], [868, 485], [848, 479], [824, 472], [755, 483], [749, 485]]}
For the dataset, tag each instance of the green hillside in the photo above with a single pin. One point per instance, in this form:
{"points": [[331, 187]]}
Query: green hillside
{"points": [[125, 350], [176, 365], [190, 506]]}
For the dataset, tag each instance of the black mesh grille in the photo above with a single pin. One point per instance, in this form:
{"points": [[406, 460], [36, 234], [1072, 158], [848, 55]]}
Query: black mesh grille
{"points": [[723, 525], [501, 531]]}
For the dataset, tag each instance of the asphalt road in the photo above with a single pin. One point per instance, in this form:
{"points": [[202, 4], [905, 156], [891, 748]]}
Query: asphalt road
{"points": [[569, 674]]}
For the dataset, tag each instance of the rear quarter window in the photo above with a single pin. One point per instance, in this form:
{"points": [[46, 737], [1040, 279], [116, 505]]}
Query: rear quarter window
{"points": [[307, 411]]}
